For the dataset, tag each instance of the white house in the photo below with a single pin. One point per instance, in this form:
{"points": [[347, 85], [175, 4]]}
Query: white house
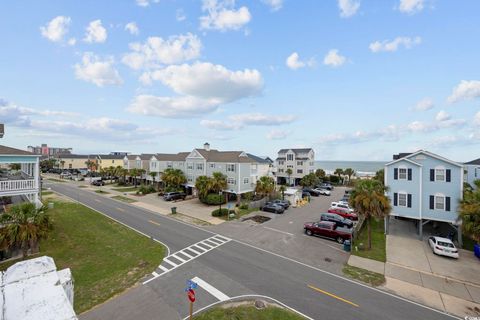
{"points": [[472, 171], [300, 161]]}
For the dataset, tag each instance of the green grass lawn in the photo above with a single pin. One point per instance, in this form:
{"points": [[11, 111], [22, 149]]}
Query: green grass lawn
{"points": [[105, 257], [247, 313], [369, 277], [378, 242], [46, 193], [124, 199], [125, 189], [102, 192]]}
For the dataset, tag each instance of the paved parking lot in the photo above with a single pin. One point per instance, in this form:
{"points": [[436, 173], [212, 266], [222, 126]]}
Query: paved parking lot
{"points": [[284, 234]]}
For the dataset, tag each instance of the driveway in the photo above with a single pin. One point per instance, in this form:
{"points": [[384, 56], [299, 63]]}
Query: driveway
{"points": [[404, 249]]}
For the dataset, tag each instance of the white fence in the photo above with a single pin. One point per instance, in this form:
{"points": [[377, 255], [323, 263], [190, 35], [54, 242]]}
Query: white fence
{"points": [[15, 185]]}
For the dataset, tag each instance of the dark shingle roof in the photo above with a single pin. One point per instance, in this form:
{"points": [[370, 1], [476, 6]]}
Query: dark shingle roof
{"points": [[224, 156], [297, 150], [4, 150], [111, 156], [171, 156], [258, 159], [475, 162], [74, 156], [401, 155]]}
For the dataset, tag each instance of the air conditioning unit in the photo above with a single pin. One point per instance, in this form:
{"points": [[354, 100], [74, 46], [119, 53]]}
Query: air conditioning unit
{"points": [[2, 130]]}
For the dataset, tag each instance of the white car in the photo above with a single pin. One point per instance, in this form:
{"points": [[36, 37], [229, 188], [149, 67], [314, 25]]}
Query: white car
{"points": [[443, 246], [342, 205], [324, 192]]}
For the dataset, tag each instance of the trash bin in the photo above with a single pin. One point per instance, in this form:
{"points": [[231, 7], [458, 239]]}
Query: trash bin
{"points": [[174, 210], [347, 245], [476, 250]]}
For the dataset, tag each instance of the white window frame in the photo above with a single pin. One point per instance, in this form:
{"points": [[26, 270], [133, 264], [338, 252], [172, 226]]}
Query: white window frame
{"points": [[199, 166], [246, 181], [281, 162], [189, 166], [299, 171], [400, 174], [439, 196], [212, 165], [280, 170], [169, 164], [406, 199], [299, 163], [230, 167], [440, 169], [290, 157], [230, 180], [189, 178]]}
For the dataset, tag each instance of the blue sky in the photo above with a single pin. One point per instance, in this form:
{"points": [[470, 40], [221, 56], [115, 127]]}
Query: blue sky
{"points": [[354, 79]]}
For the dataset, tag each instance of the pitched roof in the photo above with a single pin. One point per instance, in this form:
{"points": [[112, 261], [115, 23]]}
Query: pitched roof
{"points": [[4, 150], [476, 162], [296, 150], [430, 154], [258, 159], [171, 156], [224, 156], [74, 156], [146, 156], [111, 156]]}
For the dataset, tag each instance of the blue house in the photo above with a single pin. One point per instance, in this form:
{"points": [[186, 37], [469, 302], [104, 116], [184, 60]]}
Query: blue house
{"points": [[425, 187], [472, 171]]}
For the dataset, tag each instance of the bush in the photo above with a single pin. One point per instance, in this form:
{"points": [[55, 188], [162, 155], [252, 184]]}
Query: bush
{"points": [[214, 199], [219, 213], [145, 189], [334, 179], [243, 206]]}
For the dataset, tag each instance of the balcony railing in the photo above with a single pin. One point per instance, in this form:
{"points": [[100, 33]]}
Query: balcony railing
{"points": [[14, 185]]}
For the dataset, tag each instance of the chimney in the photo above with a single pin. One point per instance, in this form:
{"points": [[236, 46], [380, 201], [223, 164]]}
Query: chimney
{"points": [[206, 146], [2, 130]]}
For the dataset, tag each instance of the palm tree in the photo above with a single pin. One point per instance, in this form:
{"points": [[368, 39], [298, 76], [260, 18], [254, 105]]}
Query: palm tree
{"points": [[369, 200], [309, 180], [133, 174], [24, 226], [123, 173], [380, 176], [469, 212], [15, 166], [141, 172], [153, 174], [173, 178], [265, 186], [62, 163], [320, 173], [91, 165], [218, 182], [289, 172], [282, 189], [339, 173], [349, 172], [203, 184]]}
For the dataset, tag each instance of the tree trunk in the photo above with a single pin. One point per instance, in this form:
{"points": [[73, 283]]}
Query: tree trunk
{"points": [[24, 249], [369, 234]]}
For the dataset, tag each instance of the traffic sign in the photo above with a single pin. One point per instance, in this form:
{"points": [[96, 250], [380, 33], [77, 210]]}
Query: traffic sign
{"points": [[191, 285], [191, 295]]}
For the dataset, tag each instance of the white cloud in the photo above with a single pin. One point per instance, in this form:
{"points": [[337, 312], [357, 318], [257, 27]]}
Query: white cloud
{"points": [[260, 119], [476, 119], [222, 15], [424, 105], [56, 29], [277, 134], [208, 81], [419, 126], [348, 8], [275, 5], [157, 51], [145, 3], [180, 15], [293, 62], [221, 125], [411, 6], [334, 59], [172, 107], [132, 28], [72, 41], [97, 71], [442, 116], [465, 90], [394, 45], [95, 32]]}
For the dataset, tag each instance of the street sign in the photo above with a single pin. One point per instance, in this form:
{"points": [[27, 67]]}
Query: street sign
{"points": [[191, 295], [191, 285]]}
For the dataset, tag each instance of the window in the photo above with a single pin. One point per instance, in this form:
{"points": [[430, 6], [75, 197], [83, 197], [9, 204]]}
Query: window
{"points": [[113, 161], [439, 174], [439, 203], [230, 168], [311, 171], [189, 178], [402, 199], [280, 170], [300, 171], [245, 180], [289, 157], [212, 165], [190, 166], [402, 173], [299, 163], [312, 164], [169, 164], [289, 166], [281, 163], [199, 166], [180, 164], [230, 181]]}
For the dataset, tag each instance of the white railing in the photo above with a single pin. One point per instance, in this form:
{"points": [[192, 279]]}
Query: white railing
{"points": [[14, 185]]}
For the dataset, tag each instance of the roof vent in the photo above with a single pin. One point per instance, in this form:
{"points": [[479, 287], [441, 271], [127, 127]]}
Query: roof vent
{"points": [[206, 146]]}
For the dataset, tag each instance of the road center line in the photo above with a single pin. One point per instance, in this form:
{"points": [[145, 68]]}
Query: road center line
{"points": [[151, 221], [333, 296], [276, 230], [210, 289], [120, 209]]}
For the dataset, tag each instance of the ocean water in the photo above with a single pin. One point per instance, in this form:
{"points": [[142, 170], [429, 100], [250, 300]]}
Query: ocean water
{"points": [[362, 168]]}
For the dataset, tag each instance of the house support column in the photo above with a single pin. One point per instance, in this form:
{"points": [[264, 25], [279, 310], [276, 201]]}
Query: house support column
{"points": [[420, 229], [387, 223], [459, 235]]}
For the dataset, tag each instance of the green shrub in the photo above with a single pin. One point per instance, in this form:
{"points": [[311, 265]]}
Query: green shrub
{"points": [[214, 199], [219, 212], [145, 189], [244, 206]]}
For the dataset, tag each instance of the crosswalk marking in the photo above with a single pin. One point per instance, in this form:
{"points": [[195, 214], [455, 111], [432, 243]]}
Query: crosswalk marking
{"points": [[211, 289], [199, 248]]}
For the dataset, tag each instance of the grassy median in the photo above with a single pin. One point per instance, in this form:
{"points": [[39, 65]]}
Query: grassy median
{"points": [[378, 251], [248, 313], [105, 257]]}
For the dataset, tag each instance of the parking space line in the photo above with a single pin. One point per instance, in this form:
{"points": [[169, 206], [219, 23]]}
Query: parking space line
{"points": [[162, 268], [333, 296], [211, 289], [155, 274], [276, 230]]}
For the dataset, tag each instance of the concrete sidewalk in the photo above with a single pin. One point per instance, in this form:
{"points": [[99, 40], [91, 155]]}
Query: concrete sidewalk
{"points": [[452, 296]]}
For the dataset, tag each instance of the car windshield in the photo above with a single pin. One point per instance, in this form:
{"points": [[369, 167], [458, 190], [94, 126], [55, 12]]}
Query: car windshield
{"points": [[445, 244]]}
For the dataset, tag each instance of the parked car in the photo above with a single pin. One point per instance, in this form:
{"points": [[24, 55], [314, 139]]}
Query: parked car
{"points": [[328, 229], [271, 207], [344, 213], [443, 247], [337, 219], [325, 185], [169, 196], [311, 191], [284, 203], [98, 183], [341, 205], [306, 194], [323, 192]]}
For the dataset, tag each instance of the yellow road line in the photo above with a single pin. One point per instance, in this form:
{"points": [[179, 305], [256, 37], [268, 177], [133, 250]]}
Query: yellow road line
{"points": [[151, 221], [333, 296], [120, 209]]}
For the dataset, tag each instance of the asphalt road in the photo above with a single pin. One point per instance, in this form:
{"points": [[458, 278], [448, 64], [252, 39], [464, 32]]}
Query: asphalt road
{"points": [[235, 268]]}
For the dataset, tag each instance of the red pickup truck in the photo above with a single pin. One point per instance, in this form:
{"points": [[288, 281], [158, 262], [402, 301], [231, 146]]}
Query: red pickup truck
{"points": [[328, 229], [344, 213]]}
